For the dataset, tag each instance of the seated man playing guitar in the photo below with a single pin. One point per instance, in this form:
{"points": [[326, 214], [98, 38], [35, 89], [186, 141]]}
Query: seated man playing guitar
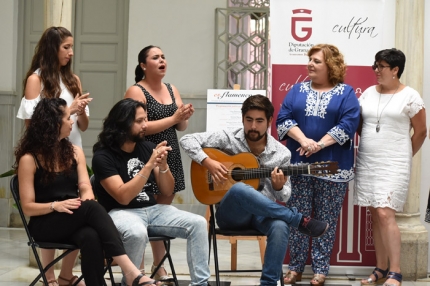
{"points": [[243, 206]]}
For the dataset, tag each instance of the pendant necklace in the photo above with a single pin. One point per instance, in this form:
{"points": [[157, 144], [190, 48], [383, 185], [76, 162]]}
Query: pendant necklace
{"points": [[378, 117]]}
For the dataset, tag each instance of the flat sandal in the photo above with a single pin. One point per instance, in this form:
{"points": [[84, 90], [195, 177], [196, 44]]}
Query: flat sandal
{"points": [[319, 278], [292, 278]]}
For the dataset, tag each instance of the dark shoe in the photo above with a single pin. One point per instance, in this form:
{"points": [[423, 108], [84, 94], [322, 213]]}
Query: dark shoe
{"points": [[394, 276], [378, 280], [137, 279], [312, 227]]}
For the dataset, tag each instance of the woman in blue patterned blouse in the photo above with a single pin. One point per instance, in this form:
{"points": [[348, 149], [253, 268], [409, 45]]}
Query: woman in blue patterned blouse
{"points": [[318, 118]]}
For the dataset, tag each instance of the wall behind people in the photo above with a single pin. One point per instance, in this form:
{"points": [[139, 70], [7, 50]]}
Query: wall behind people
{"points": [[184, 30], [425, 161], [8, 48]]}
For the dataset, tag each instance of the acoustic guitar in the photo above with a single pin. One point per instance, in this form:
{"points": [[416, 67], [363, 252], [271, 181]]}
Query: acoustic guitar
{"points": [[243, 167]]}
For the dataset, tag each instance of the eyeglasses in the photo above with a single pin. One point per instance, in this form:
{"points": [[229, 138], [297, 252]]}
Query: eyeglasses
{"points": [[379, 67]]}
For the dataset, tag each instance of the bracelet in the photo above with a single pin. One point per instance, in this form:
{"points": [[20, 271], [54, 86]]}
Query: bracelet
{"points": [[164, 171], [143, 176], [321, 144], [51, 207]]}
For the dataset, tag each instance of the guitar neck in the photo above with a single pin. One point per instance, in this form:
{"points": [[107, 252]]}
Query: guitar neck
{"points": [[258, 173]]}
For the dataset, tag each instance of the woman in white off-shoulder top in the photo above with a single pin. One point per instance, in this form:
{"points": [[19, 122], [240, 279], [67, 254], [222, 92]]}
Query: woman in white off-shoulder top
{"points": [[50, 76]]}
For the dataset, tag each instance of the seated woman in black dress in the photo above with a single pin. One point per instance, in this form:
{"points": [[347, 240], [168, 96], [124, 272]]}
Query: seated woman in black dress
{"points": [[56, 193]]}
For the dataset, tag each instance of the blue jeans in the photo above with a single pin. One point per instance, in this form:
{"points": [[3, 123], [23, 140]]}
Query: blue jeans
{"points": [[134, 225], [244, 207]]}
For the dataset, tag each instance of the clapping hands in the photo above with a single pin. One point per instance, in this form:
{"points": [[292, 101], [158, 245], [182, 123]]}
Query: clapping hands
{"points": [[184, 112], [79, 103]]}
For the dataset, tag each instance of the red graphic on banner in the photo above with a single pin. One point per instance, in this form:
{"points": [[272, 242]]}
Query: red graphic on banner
{"points": [[307, 30], [361, 250]]}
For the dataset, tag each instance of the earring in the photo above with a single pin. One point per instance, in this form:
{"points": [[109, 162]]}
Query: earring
{"points": [[145, 70], [394, 77]]}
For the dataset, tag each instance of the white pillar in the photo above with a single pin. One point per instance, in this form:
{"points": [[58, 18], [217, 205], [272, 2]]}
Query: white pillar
{"points": [[58, 13], [410, 40]]}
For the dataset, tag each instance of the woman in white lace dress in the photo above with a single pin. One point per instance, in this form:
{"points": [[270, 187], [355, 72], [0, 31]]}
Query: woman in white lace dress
{"points": [[389, 110]]}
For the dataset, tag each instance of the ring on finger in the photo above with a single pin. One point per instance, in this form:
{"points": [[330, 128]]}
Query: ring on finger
{"points": [[309, 148]]}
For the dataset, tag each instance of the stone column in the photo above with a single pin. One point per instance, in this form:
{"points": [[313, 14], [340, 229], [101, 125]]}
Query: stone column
{"points": [[58, 13], [414, 239]]}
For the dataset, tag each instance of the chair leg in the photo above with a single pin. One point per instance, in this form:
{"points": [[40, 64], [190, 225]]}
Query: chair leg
{"points": [[169, 258], [109, 269], [39, 264], [233, 251], [212, 231]]}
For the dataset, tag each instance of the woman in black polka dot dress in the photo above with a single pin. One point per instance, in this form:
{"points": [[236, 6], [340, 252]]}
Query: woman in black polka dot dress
{"points": [[166, 114]]}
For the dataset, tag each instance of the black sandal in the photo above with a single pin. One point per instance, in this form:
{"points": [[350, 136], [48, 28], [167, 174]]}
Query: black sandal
{"points": [[137, 279], [378, 280], [395, 276]]}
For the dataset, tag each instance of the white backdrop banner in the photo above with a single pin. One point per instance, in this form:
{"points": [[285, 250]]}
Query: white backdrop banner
{"points": [[359, 28]]}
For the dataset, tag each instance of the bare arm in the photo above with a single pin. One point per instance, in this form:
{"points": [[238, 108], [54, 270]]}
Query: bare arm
{"points": [[179, 119], [26, 171], [420, 130], [84, 185], [83, 119]]}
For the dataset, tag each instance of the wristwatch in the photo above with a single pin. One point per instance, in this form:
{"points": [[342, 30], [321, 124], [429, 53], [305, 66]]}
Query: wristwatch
{"points": [[321, 144]]}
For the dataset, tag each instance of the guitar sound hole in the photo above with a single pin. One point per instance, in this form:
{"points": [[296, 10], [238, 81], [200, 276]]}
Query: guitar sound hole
{"points": [[237, 174]]}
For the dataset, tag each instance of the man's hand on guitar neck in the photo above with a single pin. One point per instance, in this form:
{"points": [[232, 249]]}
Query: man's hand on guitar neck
{"points": [[278, 179], [216, 169]]}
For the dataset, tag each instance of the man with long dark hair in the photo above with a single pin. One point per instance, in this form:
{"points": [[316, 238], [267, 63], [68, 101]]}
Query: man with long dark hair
{"points": [[126, 176]]}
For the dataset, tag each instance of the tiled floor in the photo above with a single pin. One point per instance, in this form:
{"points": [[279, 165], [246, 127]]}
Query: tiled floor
{"points": [[14, 269]]}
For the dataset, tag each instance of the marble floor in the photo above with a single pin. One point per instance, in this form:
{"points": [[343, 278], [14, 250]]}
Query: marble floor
{"points": [[14, 261]]}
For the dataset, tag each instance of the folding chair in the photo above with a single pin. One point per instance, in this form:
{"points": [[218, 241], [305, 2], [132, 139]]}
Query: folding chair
{"points": [[214, 231], [46, 245], [166, 240]]}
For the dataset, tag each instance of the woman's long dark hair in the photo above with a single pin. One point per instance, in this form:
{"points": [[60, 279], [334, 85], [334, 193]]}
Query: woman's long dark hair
{"points": [[117, 125], [41, 139], [143, 54], [46, 59]]}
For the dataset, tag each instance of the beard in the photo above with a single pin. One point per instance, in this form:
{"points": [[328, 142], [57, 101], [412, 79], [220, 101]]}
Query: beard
{"points": [[256, 138], [136, 138]]}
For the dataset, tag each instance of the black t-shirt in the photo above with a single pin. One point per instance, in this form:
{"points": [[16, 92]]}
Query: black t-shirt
{"points": [[107, 163]]}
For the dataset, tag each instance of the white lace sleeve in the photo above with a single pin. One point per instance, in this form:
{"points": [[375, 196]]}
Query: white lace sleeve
{"points": [[415, 104], [26, 108]]}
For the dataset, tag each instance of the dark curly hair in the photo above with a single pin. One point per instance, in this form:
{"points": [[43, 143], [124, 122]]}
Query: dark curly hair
{"points": [[393, 57], [143, 54], [334, 61], [46, 59], [40, 139], [117, 125]]}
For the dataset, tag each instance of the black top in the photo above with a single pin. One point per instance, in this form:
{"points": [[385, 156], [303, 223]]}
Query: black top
{"points": [[107, 164]]}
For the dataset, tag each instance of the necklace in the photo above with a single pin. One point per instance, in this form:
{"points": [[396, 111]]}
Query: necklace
{"points": [[378, 117]]}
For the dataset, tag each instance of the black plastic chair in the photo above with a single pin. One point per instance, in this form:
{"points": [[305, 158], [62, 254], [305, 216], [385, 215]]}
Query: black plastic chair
{"points": [[166, 240], [46, 245], [214, 231]]}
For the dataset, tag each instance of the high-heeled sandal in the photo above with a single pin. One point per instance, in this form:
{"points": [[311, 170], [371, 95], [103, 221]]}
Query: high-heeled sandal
{"points": [[378, 280], [395, 276], [137, 280], [318, 280], [166, 279], [70, 281], [292, 278], [52, 282]]}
